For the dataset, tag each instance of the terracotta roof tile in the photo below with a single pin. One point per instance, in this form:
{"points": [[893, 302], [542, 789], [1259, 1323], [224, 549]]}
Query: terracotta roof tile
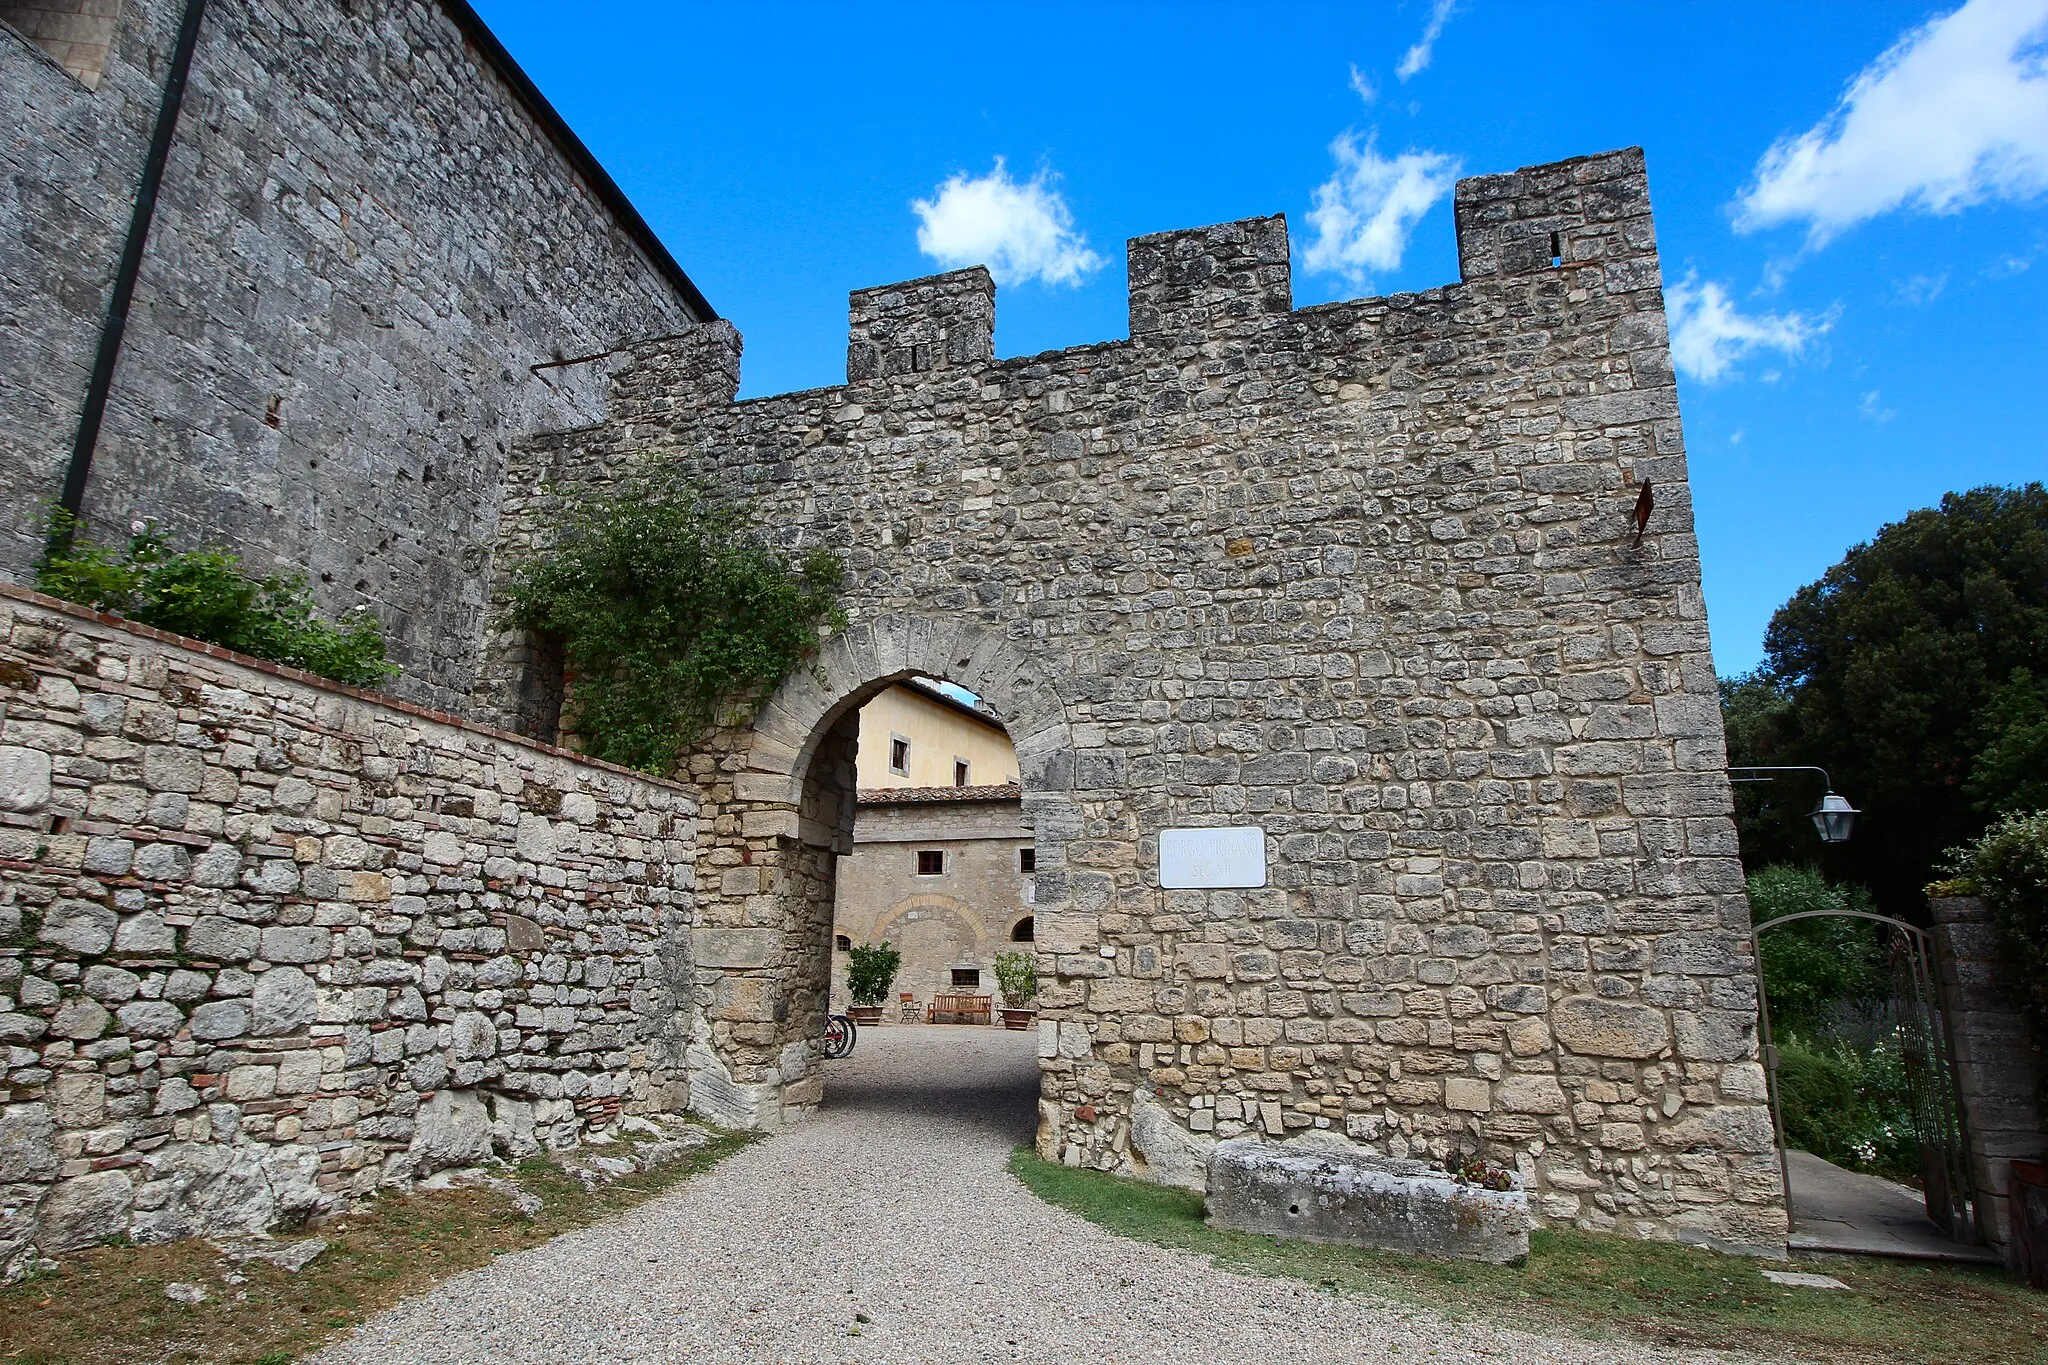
{"points": [[926, 796]]}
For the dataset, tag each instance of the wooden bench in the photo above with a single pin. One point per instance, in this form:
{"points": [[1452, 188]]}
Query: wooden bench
{"points": [[974, 1008]]}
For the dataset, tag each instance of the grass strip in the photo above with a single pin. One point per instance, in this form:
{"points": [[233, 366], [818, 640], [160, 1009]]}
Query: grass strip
{"points": [[1586, 1283], [106, 1306]]}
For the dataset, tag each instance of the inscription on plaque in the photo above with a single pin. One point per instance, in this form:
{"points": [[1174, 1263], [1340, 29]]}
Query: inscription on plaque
{"points": [[1232, 856]]}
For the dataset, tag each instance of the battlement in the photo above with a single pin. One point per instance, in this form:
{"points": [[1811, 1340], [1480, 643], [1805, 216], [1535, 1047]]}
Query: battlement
{"points": [[1208, 281], [1589, 210], [940, 322], [1224, 282]]}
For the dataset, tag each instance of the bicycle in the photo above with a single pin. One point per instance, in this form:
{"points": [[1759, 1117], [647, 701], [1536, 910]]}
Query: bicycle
{"points": [[840, 1034]]}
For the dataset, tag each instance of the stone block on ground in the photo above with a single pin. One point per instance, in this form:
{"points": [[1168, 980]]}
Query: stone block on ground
{"points": [[1365, 1201], [453, 1128]]}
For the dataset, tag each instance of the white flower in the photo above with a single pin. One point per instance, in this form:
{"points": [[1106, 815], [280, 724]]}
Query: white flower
{"points": [[137, 527]]}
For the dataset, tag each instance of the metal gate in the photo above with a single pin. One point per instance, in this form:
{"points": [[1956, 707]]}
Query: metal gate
{"points": [[1921, 1028]]}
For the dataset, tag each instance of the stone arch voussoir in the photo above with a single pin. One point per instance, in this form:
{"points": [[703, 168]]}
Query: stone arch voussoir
{"points": [[867, 657]]}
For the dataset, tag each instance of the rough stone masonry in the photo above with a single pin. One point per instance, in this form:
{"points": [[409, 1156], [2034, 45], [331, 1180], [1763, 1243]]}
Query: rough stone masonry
{"points": [[268, 945], [374, 262], [1364, 576]]}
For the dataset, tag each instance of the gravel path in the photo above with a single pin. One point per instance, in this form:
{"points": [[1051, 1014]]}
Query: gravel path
{"points": [[894, 1203]]}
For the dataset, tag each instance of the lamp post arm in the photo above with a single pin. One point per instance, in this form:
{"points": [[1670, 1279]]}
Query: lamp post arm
{"points": [[1794, 768]]}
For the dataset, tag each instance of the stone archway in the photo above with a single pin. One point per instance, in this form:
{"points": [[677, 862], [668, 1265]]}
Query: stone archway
{"points": [[779, 809]]}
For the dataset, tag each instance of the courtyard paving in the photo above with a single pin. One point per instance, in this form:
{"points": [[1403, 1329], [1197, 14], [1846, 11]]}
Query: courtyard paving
{"points": [[894, 1206]]}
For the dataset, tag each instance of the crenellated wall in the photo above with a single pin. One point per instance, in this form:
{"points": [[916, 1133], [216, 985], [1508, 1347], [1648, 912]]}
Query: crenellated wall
{"points": [[1366, 576], [268, 945]]}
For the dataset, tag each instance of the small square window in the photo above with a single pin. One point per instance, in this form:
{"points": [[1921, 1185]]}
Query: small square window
{"points": [[959, 772], [1027, 860], [842, 943], [931, 862], [967, 978], [899, 756]]}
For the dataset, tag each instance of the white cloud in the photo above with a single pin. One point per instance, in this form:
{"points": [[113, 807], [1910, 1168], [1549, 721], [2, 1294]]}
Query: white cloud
{"points": [[1923, 288], [1956, 112], [1019, 231], [1417, 58], [1362, 86], [1363, 213], [1709, 334], [1872, 408]]}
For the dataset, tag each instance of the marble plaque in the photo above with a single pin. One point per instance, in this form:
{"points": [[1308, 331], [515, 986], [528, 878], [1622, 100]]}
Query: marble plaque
{"points": [[1231, 856]]}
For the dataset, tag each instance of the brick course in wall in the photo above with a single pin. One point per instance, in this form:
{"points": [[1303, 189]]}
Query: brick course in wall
{"points": [[1365, 575], [268, 944]]}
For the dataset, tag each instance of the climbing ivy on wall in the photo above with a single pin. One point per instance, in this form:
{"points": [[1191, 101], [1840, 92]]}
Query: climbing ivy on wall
{"points": [[671, 608]]}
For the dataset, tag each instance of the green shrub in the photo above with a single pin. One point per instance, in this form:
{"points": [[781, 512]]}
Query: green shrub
{"points": [[206, 594], [870, 971], [1852, 1107], [1017, 974], [670, 609], [1841, 1073]]}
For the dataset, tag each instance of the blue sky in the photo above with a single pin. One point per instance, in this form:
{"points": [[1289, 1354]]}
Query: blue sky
{"points": [[1852, 198]]}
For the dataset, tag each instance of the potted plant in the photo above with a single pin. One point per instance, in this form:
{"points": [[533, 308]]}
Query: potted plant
{"points": [[1017, 974], [870, 971]]}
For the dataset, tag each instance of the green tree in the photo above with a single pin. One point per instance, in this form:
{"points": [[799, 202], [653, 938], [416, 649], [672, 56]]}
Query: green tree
{"points": [[1017, 974], [1756, 710], [1908, 671], [2011, 769], [1813, 963]]}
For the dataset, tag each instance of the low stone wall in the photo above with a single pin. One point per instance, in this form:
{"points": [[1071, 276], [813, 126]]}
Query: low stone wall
{"points": [[267, 944]]}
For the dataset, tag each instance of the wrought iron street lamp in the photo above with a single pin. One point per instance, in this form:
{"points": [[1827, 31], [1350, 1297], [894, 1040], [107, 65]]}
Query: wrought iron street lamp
{"points": [[1834, 818]]}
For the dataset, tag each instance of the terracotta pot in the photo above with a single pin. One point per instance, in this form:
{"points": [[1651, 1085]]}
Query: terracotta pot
{"points": [[865, 1015], [1019, 1019]]}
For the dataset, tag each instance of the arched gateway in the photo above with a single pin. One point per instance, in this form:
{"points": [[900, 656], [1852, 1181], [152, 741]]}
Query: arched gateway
{"points": [[1394, 603]]}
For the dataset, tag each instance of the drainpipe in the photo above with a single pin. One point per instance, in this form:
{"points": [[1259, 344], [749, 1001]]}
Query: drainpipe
{"points": [[72, 500]]}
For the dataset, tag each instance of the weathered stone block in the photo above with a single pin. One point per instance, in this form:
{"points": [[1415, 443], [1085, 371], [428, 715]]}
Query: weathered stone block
{"points": [[1597, 1027], [283, 1001], [80, 1019], [24, 779], [170, 768], [220, 1020], [28, 1143], [81, 926], [452, 1128], [297, 944], [1365, 1201], [737, 947], [84, 1210], [145, 933], [108, 857], [151, 1018], [1469, 1094], [1532, 1095]]}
